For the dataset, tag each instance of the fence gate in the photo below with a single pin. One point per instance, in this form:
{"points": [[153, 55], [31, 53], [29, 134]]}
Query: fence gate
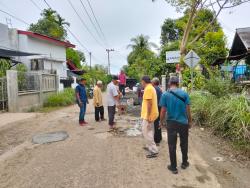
{"points": [[3, 95]]}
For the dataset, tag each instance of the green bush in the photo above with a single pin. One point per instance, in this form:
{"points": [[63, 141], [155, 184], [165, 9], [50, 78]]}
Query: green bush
{"points": [[64, 98], [227, 116]]}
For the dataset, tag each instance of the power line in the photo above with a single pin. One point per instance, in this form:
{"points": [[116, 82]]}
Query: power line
{"points": [[34, 3], [19, 19], [86, 11], [47, 4], [72, 34], [96, 20], [83, 23]]}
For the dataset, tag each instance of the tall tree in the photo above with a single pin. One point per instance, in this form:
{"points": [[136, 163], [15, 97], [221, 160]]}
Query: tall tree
{"points": [[169, 31], [51, 24], [192, 7], [141, 42], [141, 60]]}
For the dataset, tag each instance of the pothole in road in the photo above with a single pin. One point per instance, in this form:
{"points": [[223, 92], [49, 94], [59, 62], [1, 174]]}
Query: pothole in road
{"points": [[50, 137], [218, 159]]}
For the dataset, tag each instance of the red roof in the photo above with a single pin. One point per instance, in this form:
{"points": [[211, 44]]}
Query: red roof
{"points": [[44, 37], [74, 69]]}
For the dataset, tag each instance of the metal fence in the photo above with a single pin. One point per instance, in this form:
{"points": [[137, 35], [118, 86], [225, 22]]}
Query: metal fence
{"points": [[28, 82], [3, 95]]}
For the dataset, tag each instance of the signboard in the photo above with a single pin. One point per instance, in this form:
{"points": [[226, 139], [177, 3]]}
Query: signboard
{"points": [[173, 56], [192, 59]]}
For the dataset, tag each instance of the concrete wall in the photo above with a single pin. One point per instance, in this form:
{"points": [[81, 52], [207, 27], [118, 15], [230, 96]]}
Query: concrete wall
{"points": [[25, 101]]}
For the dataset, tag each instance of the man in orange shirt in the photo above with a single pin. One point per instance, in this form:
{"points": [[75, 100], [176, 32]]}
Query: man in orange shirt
{"points": [[149, 113]]}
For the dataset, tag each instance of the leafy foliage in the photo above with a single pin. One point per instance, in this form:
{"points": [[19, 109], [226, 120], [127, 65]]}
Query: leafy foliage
{"points": [[97, 72], [75, 57], [227, 116], [4, 66], [51, 24], [64, 98]]}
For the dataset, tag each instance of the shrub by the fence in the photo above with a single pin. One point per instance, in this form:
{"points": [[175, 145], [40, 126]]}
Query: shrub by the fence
{"points": [[64, 98]]}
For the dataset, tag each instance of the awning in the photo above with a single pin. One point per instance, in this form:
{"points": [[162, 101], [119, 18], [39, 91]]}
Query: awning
{"points": [[74, 69], [7, 54]]}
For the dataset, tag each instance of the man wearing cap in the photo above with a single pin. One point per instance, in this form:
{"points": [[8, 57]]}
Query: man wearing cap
{"points": [[176, 104], [149, 113], [157, 134], [82, 100], [112, 99], [97, 101]]}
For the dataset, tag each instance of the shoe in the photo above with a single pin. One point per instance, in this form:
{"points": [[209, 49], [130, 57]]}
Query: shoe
{"points": [[185, 165], [84, 122], [152, 155], [173, 170]]}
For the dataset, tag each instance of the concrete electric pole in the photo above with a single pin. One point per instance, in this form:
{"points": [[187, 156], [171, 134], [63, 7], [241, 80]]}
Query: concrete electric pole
{"points": [[90, 54], [108, 51]]}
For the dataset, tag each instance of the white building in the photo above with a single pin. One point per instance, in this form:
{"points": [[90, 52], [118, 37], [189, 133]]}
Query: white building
{"points": [[52, 58]]}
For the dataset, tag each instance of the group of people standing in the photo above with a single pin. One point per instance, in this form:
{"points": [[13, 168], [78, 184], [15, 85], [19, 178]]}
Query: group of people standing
{"points": [[155, 105]]}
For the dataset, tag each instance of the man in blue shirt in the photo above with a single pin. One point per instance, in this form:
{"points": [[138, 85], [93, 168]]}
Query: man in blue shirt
{"points": [[176, 104], [82, 100]]}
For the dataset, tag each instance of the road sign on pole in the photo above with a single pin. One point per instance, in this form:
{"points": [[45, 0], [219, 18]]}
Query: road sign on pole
{"points": [[191, 60], [173, 56]]}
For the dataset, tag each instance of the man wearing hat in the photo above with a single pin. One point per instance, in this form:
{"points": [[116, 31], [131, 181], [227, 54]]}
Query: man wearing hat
{"points": [[97, 101], [149, 113], [176, 103], [112, 99]]}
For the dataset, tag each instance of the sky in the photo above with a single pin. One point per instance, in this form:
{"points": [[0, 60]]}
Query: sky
{"points": [[120, 20]]}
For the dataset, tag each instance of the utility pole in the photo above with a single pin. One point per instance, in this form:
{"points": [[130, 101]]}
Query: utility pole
{"points": [[108, 51], [90, 54]]}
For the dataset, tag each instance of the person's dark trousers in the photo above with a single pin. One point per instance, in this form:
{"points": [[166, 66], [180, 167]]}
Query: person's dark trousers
{"points": [[157, 135], [122, 89], [99, 113], [173, 129], [111, 114], [82, 112]]}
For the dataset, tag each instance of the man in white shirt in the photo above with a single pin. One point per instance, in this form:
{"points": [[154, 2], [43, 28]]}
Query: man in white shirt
{"points": [[112, 99]]}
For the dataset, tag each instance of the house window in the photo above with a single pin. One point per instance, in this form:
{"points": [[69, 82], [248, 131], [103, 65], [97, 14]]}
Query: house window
{"points": [[37, 64]]}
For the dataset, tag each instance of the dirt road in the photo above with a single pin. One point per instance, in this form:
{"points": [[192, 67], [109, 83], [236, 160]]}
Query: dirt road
{"points": [[92, 157]]}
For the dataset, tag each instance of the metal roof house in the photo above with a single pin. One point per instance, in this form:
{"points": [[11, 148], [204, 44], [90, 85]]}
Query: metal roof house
{"points": [[241, 44], [238, 60]]}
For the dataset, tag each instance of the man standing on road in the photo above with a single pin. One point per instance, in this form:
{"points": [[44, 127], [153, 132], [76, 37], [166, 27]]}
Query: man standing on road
{"points": [[112, 99], [122, 84], [176, 103], [82, 100], [157, 127], [149, 113], [97, 101]]}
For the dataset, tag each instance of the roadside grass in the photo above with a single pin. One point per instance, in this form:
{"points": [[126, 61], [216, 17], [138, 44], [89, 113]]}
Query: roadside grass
{"points": [[64, 98], [56, 101], [227, 116]]}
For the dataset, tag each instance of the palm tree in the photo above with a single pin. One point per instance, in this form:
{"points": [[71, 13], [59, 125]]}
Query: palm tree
{"points": [[141, 42], [61, 21]]}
